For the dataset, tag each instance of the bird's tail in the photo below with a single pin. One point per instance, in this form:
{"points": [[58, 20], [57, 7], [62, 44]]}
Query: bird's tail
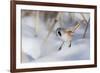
{"points": [[75, 27]]}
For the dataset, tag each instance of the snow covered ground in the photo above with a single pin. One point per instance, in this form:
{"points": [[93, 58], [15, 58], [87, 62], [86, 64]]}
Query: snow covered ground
{"points": [[35, 50]]}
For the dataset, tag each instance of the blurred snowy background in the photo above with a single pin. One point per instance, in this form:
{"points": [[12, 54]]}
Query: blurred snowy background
{"points": [[40, 42]]}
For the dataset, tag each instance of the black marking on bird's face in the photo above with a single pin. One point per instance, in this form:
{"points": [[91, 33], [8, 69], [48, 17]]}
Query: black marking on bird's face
{"points": [[59, 33]]}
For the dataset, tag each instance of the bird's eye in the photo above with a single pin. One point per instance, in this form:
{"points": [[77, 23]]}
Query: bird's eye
{"points": [[59, 33]]}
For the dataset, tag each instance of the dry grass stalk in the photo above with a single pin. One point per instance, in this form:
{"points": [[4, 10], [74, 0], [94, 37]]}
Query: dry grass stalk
{"points": [[54, 21], [84, 34]]}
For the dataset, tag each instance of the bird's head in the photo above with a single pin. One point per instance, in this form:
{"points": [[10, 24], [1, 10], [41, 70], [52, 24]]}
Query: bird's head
{"points": [[64, 34]]}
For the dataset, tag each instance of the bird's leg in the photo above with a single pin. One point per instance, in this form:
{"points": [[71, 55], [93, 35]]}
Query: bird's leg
{"points": [[61, 46], [69, 44]]}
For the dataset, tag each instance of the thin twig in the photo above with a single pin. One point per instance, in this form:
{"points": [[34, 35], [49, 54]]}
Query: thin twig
{"points": [[84, 34], [86, 28], [38, 21]]}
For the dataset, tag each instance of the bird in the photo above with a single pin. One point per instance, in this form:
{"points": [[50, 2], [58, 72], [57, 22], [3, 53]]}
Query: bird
{"points": [[66, 34]]}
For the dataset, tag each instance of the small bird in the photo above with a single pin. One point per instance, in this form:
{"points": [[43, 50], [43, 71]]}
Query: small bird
{"points": [[66, 35]]}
